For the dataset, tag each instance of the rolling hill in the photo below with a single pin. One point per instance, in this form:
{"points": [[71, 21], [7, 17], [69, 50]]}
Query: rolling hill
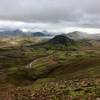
{"points": [[64, 42]]}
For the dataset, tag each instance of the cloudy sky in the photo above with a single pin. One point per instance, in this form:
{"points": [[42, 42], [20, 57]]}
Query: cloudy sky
{"points": [[51, 15]]}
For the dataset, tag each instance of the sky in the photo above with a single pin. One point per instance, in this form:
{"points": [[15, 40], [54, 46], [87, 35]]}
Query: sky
{"points": [[51, 15]]}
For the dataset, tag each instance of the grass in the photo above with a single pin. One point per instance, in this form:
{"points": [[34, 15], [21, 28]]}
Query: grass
{"points": [[49, 65]]}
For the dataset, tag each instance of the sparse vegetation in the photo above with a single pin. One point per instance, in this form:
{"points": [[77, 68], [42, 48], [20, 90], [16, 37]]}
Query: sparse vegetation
{"points": [[44, 71]]}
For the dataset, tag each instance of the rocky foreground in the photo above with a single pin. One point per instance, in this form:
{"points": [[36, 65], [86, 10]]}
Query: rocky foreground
{"points": [[79, 89]]}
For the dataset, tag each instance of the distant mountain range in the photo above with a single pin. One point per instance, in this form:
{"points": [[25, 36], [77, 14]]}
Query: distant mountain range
{"points": [[9, 32], [76, 35], [18, 32]]}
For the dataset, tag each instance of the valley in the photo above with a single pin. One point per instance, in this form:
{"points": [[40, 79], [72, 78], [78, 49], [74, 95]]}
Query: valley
{"points": [[34, 67]]}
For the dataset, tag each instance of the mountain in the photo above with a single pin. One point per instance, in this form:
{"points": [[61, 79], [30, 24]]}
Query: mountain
{"points": [[40, 34], [61, 40], [15, 32], [18, 32], [76, 35], [37, 34]]}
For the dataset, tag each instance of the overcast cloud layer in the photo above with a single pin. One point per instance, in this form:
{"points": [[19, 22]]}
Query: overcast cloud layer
{"points": [[71, 13]]}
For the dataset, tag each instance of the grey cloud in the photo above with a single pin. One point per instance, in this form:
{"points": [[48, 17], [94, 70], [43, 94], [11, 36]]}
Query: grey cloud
{"points": [[84, 13]]}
